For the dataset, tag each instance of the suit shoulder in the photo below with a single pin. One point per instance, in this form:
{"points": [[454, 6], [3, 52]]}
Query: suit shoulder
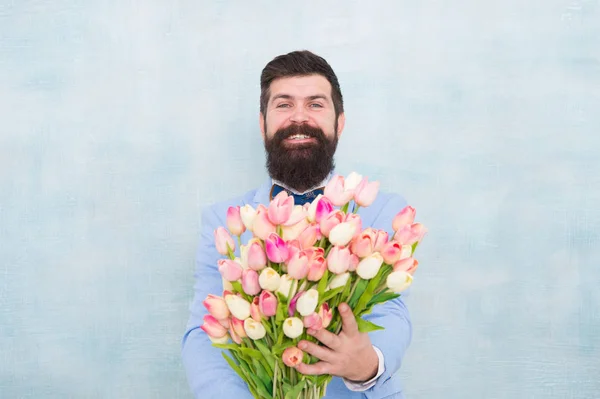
{"points": [[218, 209]]}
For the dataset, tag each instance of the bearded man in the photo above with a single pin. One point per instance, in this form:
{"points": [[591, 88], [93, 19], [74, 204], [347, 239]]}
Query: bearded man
{"points": [[301, 120]]}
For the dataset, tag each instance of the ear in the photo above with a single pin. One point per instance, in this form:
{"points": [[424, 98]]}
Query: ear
{"points": [[261, 123], [341, 124]]}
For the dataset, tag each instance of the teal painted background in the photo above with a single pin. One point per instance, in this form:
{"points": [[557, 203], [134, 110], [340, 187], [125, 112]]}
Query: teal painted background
{"points": [[119, 120]]}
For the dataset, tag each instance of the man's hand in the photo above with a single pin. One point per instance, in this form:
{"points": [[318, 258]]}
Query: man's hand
{"points": [[349, 355]]}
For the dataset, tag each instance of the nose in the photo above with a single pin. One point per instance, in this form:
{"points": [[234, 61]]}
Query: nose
{"points": [[299, 116]]}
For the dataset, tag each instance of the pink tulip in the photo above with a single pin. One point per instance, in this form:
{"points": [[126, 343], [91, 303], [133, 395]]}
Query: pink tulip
{"points": [[409, 234], [257, 259], [309, 236], [223, 240], [314, 252], [362, 246], [216, 306], [326, 314], [212, 327], [280, 208], [230, 269], [329, 222], [404, 217], [292, 232], [356, 221], [313, 321], [234, 221], [297, 267], [299, 213], [338, 260], [381, 238], [392, 251], [276, 248], [320, 208], [268, 303], [250, 282], [255, 309], [238, 326], [365, 193], [292, 305], [354, 261], [262, 226], [335, 192], [292, 356], [293, 248], [226, 323], [316, 268], [234, 337], [408, 265]]}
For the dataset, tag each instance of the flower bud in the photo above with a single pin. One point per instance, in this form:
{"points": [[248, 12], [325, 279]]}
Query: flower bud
{"points": [[307, 302], [269, 279], [254, 329], [293, 327], [238, 306]]}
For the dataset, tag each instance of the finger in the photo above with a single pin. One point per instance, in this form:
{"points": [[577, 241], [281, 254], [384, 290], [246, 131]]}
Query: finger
{"points": [[327, 338], [318, 351], [349, 325], [315, 369]]}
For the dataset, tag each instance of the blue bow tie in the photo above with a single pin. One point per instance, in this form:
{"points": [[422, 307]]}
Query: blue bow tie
{"points": [[299, 199]]}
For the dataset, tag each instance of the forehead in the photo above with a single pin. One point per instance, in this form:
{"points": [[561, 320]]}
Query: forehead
{"points": [[301, 86]]}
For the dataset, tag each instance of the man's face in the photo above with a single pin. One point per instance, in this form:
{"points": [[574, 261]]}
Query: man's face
{"points": [[300, 130]]}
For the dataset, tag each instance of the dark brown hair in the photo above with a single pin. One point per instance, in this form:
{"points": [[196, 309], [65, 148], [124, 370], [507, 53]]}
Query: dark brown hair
{"points": [[299, 63]]}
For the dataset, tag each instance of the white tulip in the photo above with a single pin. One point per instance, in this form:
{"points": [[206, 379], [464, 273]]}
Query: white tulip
{"points": [[312, 209], [338, 281], [405, 251], [369, 266], [307, 303], [293, 327], [342, 234], [285, 284], [351, 181], [238, 306], [227, 286], [254, 329], [244, 256], [248, 215], [223, 340], [399, 281], [269, 279]]}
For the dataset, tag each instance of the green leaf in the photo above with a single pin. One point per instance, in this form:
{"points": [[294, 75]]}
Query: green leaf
{"points": [[261, 373], [251, 353], [329, 294], [278, 349], [234, 366], [270, 359], [360, 288], [365, 297], [323, 283], [295, 391], [383, 296], [414, 247], [365, 326]]}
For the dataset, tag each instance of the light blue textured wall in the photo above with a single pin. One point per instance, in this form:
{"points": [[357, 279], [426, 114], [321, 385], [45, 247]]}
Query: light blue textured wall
{"points": [[115, 115]]}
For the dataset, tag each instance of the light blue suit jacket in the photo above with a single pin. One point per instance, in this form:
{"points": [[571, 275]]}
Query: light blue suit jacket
{"points": [[210, 377]]}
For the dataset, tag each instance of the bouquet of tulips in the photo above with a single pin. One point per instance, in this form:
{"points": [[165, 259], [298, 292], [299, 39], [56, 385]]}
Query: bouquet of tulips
{"points": [[299, 265]]}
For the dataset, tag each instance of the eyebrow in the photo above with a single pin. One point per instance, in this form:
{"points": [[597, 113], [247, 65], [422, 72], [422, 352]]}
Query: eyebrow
{"points": [[309, 98]]}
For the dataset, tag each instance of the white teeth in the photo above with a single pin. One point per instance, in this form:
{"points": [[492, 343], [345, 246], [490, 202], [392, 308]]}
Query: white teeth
{"points": [[299, 137]]}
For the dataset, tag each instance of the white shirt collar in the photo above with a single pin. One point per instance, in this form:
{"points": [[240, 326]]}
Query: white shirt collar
{"points": [[322, 184]]}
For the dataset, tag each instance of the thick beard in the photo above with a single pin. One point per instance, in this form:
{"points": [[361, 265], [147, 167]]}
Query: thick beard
{"points": [[303, 166]]}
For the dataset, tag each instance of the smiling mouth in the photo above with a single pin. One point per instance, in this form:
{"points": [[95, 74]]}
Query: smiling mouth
{"points": [[299, 139]]}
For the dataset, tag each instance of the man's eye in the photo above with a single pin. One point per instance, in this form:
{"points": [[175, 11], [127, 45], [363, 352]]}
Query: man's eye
{"points": [[316, 105], [284, 105]]}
